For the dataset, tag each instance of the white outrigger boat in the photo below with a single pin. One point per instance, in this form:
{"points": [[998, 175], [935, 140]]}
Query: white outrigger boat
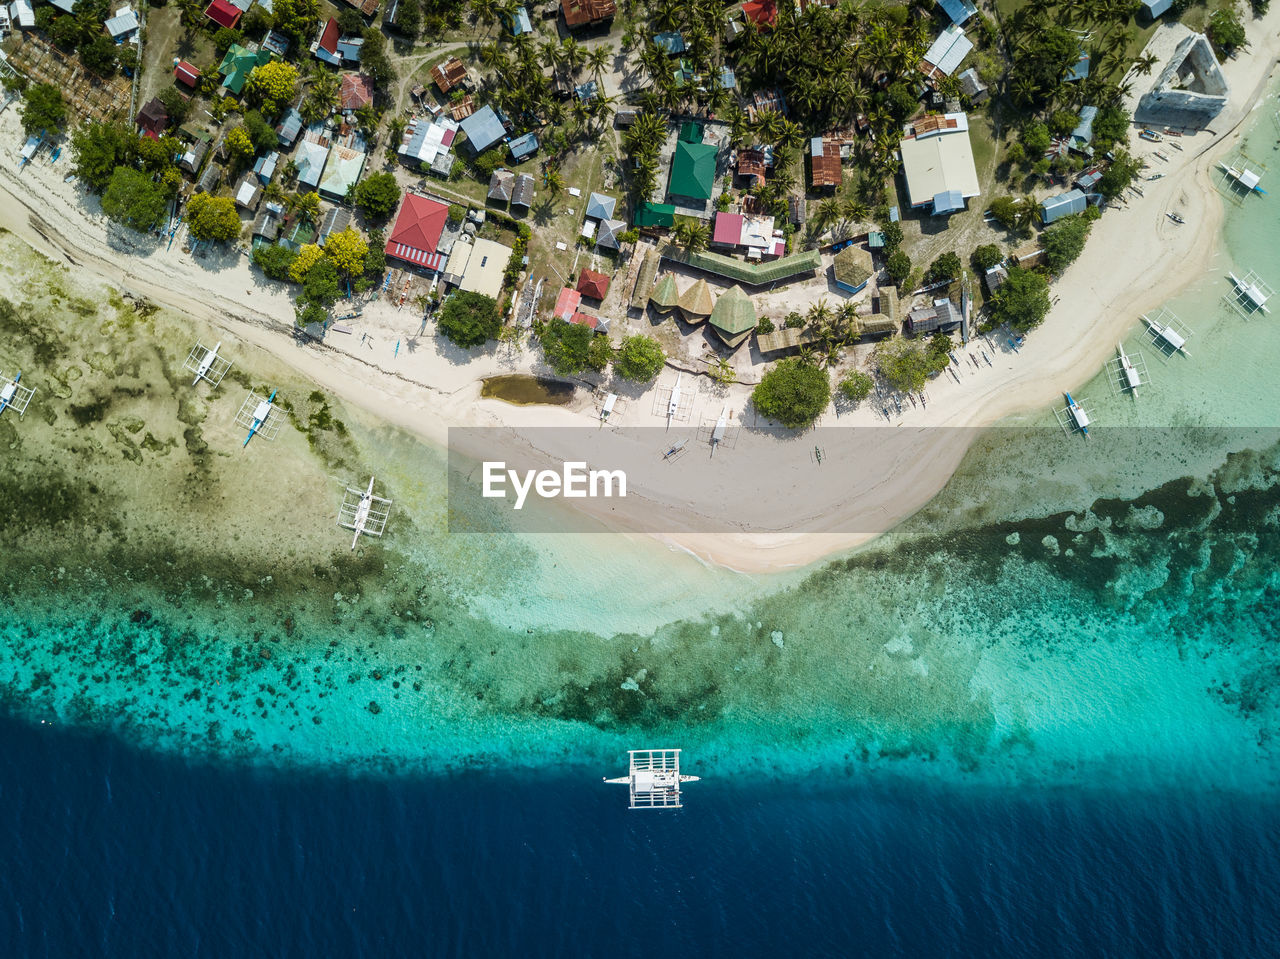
{"points": [[1130, 370], [206, 364], [364, 513], [609, 402], [1162, 331], [260, 417], [717, 434], [673, 405], [260, 414], [1078, 415], [13, 395], [1251, 292], [654, 779], [1244, 177]]}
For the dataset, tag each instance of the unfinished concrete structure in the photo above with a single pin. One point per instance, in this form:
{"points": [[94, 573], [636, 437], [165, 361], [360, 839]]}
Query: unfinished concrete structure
{"points": [[1189, 92]]}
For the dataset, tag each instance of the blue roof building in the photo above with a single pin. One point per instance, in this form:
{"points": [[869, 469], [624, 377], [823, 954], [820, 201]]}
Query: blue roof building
{"points": [[483, 129], [349, 48], [1082, 135], [523, 147], [586, 91], [958, 10], [1080, 69], [520, 24], [727, 79], [1065, 204], [289, 128], [669, 43], [600, 207], [1154, 8]]}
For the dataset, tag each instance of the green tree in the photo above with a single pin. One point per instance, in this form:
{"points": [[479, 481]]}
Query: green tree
{"points": [[1036, 139], [1064, 241], [470, 319], [892, 232], [987, 256], [945, 267], [566, 346], [856, 386], [793, 393], [377, 196], [321, 284], [131, 198], [903, 364], [99, 56], [272, 85], [212, 218], [1118, 175], [347, 249], [224, 38], [599, 353], [375, 261], [1111, 125], [640, 358], [898, 267], [1022, 300], [1226, 31], [274, 260], [175, 104], [239, 146], [261, 133], [1062, 122], [43, 109], [98, 148]]}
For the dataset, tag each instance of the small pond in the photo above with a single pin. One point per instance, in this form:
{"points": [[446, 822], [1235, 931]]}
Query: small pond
{"points": [[525, 390]]}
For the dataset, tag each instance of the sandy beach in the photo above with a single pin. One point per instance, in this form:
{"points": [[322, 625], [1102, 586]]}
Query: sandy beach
{"points": [[392, 365]]}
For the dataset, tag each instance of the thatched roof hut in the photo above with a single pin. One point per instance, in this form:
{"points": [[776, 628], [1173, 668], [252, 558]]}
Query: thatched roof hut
{"points": [[696, 303], [852, 268], [734, 316], [877, 324], [665, 295]]}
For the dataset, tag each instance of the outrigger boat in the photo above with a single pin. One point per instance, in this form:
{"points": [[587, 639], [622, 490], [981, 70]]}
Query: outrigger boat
{"points": [[260, 414], [1128, 371], [1245, 177], [366, 515], [1250, 292], [10, 390], [605, 410], [1151, 135], [1166, 332], [654, 779], [673, 405], [722, 423], [1078, 415], [1155, 176], [1175, 218]]}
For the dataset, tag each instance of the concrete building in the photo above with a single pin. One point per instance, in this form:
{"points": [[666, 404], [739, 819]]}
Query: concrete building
{"points": [[1189, 92]]}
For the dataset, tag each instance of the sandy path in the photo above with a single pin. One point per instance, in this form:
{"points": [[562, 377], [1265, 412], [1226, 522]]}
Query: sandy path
{"points": [[425, 387]]}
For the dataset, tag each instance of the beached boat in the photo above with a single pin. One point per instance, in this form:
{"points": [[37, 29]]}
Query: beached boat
{"points": [[654, 778], [1151, 135], [673, 405], [675, 449], [1175, 218], [1245, 177], [609, 402], [722, 424], [9, 392]]}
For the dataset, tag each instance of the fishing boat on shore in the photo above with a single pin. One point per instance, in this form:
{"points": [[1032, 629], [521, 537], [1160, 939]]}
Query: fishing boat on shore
{"points": [[673, 404], [717, 434], [1151, 136], [654, 779], [1175, 218], [609, 402], [1130, 370]]}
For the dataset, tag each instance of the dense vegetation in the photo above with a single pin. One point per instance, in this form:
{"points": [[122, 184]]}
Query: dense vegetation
{"points": [[793, 393], [470, 319]]}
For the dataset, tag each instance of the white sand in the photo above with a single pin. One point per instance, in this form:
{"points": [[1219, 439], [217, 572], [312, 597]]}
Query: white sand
{"points": [[860, 490]]}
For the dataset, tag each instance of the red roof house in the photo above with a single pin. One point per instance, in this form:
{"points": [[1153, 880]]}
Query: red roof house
{"points": [[417, 230], [763, 13], [592, 284], [223, 13], [186, 73], [728, 230], [357, 91], [567, 303], [585, 319]]}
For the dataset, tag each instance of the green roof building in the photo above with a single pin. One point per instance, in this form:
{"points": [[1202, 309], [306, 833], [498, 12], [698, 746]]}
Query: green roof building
{"points": [[734, 316], [693, 170], [238, 64], [656, 214]]}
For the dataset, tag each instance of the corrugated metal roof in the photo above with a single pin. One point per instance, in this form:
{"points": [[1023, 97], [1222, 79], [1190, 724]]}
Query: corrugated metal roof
{"points": [[947, 52]]}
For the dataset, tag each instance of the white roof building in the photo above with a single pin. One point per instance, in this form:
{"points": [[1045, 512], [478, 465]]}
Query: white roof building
{"points": [[947, 53], [21, 13], [485, 268], [429, 140], [937, 162], [124, 23]]}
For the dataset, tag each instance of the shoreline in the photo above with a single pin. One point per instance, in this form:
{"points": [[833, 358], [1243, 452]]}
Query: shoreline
{"points": [[425, 388]]}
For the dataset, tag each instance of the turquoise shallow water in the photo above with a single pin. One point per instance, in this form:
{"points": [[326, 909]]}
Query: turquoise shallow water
{"points": [[1063, 612]]}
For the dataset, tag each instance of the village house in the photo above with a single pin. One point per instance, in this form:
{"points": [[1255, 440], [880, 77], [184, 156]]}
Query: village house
{"points": [[937, 163]]}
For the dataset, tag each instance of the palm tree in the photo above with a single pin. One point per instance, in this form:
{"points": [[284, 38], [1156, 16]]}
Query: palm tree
{"points": [[828, 212], [692, 235], [597, 61], [855, 209], [572, 54]]}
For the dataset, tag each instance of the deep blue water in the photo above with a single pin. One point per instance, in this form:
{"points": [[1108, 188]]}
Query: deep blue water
{"points": [[108, 851]]}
